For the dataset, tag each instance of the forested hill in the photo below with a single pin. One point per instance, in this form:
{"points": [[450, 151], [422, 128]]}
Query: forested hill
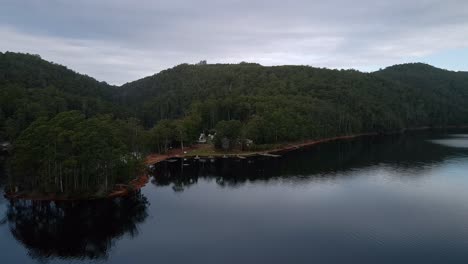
{"points": [[69, 136], [31, 87], [78, 135], [33, 72], [428, 79], [265, 104], [284, 103]]}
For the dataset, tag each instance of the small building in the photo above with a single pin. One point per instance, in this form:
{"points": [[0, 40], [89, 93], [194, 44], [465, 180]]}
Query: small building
{"points": [[202, 139], [5, 146]]}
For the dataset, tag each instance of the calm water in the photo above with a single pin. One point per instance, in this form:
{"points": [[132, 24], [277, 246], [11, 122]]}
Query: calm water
{"points": [[372, 200]]}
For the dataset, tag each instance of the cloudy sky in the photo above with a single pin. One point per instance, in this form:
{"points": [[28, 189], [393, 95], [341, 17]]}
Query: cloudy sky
{"points": [[119, 41]]}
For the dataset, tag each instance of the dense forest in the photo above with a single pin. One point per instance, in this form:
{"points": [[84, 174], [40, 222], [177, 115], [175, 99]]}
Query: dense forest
{"points": [[68, 134], [71, 128], [74, 154], [293, 103], [31, 88]]}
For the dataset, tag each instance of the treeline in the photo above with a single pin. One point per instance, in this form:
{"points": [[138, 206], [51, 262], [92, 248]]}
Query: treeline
{"points": [[292, 103], [69, 136], [31, 87], [74, 155], [245, 105]]}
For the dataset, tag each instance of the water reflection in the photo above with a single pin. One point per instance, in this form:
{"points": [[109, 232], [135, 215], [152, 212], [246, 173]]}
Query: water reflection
{"points": [[76, 230], [359, 215], [3, 178], [400, 152], [455, 141]]}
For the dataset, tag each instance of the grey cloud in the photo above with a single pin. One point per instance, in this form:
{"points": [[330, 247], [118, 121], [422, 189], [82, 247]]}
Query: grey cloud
{"points": [[119, 41]]}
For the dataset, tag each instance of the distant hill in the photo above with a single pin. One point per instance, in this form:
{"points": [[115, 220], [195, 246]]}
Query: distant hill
{"points": [[298, 102], [271, 104], [31, 87], [33, 72]]}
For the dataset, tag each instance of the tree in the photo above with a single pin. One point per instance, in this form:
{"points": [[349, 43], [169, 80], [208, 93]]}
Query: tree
{"points": [[71, 154], [227, 134], [273, 104], [161, 136]]}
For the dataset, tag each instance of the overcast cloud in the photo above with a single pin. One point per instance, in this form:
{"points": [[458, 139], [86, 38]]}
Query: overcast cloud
{"points": [[119, 41]]}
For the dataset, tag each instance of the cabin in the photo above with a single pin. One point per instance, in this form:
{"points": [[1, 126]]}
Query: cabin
{"points": [[5, 147], [202, 139]]}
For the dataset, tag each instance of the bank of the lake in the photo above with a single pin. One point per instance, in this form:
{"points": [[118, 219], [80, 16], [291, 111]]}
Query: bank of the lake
{"points": [[208, 151], [120, 190], [195, 151], [203, 152], [374, 199]]}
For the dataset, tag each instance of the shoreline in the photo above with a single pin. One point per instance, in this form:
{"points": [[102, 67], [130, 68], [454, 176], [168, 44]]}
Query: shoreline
{"points": [[153, 159], [122, 190], [126, 189]]}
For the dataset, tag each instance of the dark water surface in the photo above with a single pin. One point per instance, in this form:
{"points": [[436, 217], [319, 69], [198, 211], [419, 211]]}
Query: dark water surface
{"points": [[398, 199]]}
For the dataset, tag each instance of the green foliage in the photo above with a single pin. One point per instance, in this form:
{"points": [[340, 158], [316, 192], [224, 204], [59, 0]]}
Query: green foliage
{"points": [[258, 130], [241, 102], [291, 103], [31, 88], [227, 134], [161, 136], [70, 153]]}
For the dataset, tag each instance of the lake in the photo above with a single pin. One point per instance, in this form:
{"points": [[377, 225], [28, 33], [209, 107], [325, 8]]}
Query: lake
{"points": [[392, 199]]}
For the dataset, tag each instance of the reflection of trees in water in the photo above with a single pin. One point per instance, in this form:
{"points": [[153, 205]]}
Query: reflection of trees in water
{"points": [[81, 230], [3, 179], [321, 161]]}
